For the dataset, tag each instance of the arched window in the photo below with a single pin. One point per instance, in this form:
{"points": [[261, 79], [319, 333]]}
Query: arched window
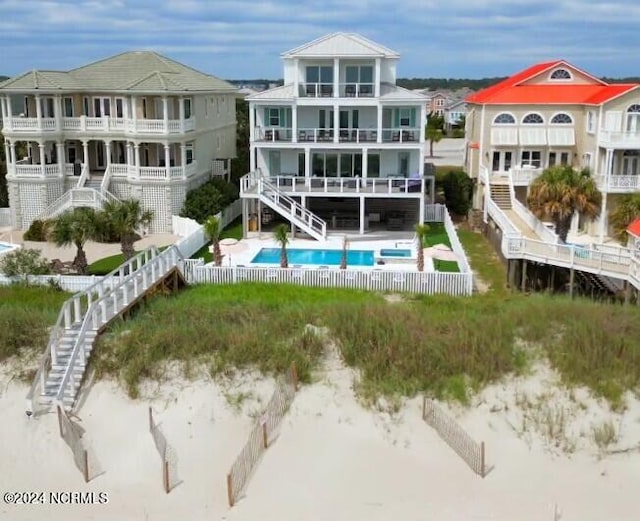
{"points": [[504, 119], [562, 119], [560, 74], [634, 109], [533, 119]]}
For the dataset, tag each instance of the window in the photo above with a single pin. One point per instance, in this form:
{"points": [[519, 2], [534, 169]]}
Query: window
{"points": [[531, 158], [504, 119], [46, 107], [558, 158], [119, 108], [144, 108], [633, 119], [188, 151], [187, 108], [26, 106], [439, 102], [560, 74], [274, 118], [591, 120], [68, 107], [319, 74], [501, 161], [373, 165], [562, 119], [403, 164], [405, 117], [85, 106], [533, 119]]}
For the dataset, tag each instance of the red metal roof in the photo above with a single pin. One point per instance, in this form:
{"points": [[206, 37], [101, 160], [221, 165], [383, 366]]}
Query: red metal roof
{"points": [[634, 227], [512, 90]]}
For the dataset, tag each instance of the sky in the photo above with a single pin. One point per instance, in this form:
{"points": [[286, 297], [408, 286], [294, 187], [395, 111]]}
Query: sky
{"points": [[241, 39]]}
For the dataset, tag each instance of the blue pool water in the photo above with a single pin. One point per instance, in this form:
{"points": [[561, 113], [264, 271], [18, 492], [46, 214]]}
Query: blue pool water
{"points": [[395, 253], [5, 247], [321, 257]]}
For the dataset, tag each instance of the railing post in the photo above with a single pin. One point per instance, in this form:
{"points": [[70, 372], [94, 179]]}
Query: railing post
{"points": [[77, 313]]}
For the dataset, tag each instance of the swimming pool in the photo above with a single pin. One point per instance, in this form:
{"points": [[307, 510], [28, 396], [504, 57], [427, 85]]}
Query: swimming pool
{"points": [[404, 254], [5, 247], [320, 257]]}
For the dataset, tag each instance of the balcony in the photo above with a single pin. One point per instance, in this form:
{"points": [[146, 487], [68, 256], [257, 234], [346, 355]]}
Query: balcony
{"points": [[24, 169], [157, 173], [616, 139], [524, 176], [316, 90], [618, 183], [273, 134], [105, 124], [357, 90], [403, 135]]}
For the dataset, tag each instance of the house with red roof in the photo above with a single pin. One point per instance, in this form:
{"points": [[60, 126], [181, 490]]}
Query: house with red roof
{"points": [[554, 113], [633, 230]]}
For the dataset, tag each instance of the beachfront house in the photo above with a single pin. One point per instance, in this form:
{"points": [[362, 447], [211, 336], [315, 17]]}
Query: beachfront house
{"points": [[136, 125], [339, 146], [550, 114]]}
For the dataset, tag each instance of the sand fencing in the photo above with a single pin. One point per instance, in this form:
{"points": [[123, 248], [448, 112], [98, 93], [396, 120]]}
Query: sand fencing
{"points": [[167, 455], [455, 436], [72, 434], [262, 434]]}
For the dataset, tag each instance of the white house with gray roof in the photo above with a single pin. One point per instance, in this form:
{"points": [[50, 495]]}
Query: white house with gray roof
{"points": [[136, 125], [339, 145]]}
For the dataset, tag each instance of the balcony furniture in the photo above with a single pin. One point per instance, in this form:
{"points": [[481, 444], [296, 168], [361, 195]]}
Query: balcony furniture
{"points": [[395, 136], [350, 91]]}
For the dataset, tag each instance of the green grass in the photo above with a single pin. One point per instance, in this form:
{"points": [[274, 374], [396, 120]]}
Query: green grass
{"points": [[234, 230], [484, 261], [108, 264], [26, 312]]}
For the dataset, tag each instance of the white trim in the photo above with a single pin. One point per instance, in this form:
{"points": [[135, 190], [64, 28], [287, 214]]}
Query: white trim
{"points": [[515, 120], [557, 114], [557, 69], [529, 114]]}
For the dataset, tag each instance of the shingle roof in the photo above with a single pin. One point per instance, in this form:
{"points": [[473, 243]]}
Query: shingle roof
{"points": [[514, 90], [341, 44], [138, 71]]}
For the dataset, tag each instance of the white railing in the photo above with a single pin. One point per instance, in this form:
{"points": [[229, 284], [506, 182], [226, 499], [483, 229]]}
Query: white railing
{"points": [[434, 213], [400, 135], [522, 176], [72, 283], [315, 135], [357, 135], [152, 172], [68, 169], [388, 185], [458, 284], [76, 197], [619, 139], [83, 176], [100, 124], [483, 175], [97, 314], [316, 90], [621, 183], [273, 134], [456, 245], [52, 170], [120, 169], [357, 90], [26, 124], [27, 170], [106, 179], [533, 222]]}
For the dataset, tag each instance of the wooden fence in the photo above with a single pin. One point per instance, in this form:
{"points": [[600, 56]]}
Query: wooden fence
{"points": [[72, 435], [167, 455], [457, 284], [261, 435], [455, 436]]}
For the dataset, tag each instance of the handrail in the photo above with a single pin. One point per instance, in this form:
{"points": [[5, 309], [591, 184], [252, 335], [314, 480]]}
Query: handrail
{"points": [[73, 306], [90, 318], [83, 176], [66, 201], [106, 180]]}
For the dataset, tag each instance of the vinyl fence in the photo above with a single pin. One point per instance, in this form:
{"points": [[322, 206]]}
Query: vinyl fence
{"points": [[455, 436], [261, 435], [72, 435], [167, 455], [457, 284], [71, 283]]}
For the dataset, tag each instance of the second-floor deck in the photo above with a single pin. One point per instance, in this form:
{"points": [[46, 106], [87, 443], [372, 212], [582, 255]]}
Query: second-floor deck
{"points": [[104, 124], [342, 135]]}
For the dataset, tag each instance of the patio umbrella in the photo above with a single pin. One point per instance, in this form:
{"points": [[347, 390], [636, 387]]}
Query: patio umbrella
{"points": [[440, 254], [230, 246], [441, 247]]}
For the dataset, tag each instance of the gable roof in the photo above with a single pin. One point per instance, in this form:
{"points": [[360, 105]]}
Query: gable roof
{"points": [[136, 71], [341, 44], [634, 227], [514, 90]]}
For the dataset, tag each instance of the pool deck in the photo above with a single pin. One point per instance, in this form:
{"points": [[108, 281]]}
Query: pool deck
{"points": [[373, 242]]}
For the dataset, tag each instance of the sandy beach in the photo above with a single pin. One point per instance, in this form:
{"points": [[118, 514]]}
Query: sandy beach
{"points": [[333, 459]]}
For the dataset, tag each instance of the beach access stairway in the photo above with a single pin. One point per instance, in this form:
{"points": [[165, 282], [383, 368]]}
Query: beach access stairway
{"points": [[290, 209], [85, 315]]}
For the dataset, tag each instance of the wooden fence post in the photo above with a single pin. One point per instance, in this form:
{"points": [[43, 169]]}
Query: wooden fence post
{"points": [[165, 475], [294, 376], [482, 461], [150, 419], [424, 408], [229, 490], [60, 421], [86, 467], [265, 439]]}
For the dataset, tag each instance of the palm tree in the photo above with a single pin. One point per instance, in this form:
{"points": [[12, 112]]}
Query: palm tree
{"points": [[560, 192], [280, 234], [433, 130], [75, 227], [421, 241], [213, 228], [343, 258], [124, 218], [624, 214]]}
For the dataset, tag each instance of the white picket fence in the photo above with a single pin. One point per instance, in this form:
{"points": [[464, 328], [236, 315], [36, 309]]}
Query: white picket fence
{"points": [[456, 284], [71, 283]]}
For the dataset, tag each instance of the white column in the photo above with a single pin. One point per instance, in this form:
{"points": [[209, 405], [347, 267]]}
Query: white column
{"points": [[167, 158], [183, 156], [421, 210], [603, 217], [423, 124], [376, 79], [165, 113], [294, 123], [107, 146], [134, 112], [365, 162], [57, 111], [296, 80], [42, 165], [379, 115], [336, 78], [252, 122], [362, 214], [307, 162], [85, 153], [60, 154], [336, 123], [129, 154], [12, 155], [8, 113], [181, 112], [3, 107], [39, 112], [136, 147]]}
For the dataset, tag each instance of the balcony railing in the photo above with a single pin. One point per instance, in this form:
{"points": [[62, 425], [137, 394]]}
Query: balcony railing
{"points": [[273, 134], [619, 139], [523, 176], [99, 124], [357, 90], [357, 135], [618, 183], [22, 169], [388, 185], [316, 90], [400, 135]]}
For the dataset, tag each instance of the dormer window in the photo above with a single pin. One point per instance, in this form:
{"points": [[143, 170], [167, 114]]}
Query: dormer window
{"points": [[533, 119], [560, 75], [504, 119], [562, 119]]}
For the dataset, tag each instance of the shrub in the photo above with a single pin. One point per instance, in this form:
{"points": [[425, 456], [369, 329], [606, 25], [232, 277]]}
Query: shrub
{"points": [[24, 261], [208, 199], [37, 231], [458, 191]]}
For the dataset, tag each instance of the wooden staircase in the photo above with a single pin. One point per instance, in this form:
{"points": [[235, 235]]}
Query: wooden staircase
{"points": [[86, 314], [501, 195]]}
